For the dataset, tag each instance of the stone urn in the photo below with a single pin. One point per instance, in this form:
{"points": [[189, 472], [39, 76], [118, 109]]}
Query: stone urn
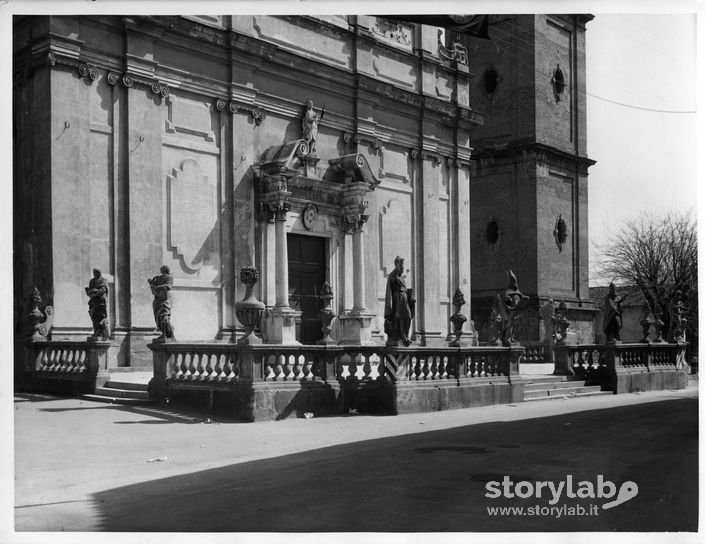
{"points": [[38, 322], [326, 314], [249, 310]]}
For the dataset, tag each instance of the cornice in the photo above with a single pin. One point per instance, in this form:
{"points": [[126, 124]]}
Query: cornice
{"points": [[538, 152]]}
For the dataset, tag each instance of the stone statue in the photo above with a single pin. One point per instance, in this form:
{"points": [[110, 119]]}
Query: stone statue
{"points": [[678, 319], [561, 323], [612, 320], [510, 309], [39, 322], [457, 319], [548, 314], [161, 289], [496, 321], [399, 305], [97, 292], [309, 125]]}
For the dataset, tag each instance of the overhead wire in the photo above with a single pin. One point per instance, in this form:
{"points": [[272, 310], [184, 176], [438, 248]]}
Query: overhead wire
{"points": [[529, 49]]}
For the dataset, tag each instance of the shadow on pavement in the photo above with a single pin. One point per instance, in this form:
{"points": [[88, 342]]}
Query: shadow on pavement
{"points": [[436, 481]]}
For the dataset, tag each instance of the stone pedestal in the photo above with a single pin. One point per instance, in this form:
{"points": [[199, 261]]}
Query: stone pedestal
{"points": [[356, 329], [279, 326], [563, 363]]}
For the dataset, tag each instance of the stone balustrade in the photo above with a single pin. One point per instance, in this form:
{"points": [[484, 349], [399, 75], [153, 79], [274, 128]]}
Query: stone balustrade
{"points": [[535, 352], [626, 367], [65, 366], [262, 375]]}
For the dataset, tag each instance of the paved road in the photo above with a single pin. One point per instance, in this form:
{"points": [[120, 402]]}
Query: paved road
{"points": [[84, 466]]}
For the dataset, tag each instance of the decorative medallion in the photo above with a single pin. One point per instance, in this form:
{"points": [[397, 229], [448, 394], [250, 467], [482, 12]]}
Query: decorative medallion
{"points": [[560, 233], [309, 216]]}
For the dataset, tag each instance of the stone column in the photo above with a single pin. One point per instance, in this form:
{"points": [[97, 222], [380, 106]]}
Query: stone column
{"points": [[356, 327], [279, 323], [281, 259], [358, 271]]}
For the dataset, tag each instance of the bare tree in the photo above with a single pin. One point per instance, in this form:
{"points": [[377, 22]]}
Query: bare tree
{"points": [[659, 256]]}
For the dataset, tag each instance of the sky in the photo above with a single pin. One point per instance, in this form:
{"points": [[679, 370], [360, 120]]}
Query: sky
{"points": [[646, 150]]}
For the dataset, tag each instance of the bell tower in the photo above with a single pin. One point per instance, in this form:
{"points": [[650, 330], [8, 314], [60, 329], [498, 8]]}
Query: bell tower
{"points": [[529, 184]]}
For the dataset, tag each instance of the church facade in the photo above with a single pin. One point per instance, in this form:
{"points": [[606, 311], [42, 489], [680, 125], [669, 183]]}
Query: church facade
{"points": [[316, 148]]}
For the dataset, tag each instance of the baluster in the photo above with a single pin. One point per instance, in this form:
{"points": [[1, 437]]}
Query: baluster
{"points": [[342, 367], [43, 359], [233, 362], [299, 362], [82, 360], [219, 367], [178, 366]]}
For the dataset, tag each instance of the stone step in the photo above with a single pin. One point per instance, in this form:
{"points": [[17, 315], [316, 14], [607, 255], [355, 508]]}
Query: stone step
{"points": [[561, 394], [117, 400], [132, 386], [538, 386], [113, 392]]}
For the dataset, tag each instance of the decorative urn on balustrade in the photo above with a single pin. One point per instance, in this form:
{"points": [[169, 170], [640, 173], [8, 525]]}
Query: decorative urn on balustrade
{"points": [[249, 310]]}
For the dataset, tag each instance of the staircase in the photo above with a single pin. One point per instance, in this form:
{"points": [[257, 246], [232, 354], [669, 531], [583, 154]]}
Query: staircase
{"points": [[558, 387], [124, 388]]}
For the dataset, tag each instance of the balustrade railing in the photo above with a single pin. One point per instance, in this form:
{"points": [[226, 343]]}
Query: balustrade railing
{"points": [[229, 363], [588, 360], [535, 352]]}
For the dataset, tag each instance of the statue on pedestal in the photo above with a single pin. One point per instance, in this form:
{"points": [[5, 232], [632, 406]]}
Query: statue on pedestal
{"points": [[161, 289], [548, 314], [458, 319], [612, 320], [678, 319], [97, 292], [496, 322], [510, 309], [309, 125], [399, 306], [561, 323], [39, 322]]}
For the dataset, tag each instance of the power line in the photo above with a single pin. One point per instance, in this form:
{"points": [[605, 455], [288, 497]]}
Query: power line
{"points": [[637, 107], [568, 86]]}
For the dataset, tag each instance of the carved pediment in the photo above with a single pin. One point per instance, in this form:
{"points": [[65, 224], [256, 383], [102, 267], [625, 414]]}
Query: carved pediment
{"points": [[354, 168], [283, 158]]}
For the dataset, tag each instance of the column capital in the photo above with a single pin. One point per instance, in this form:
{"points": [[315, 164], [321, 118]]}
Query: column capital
{"points": [[275, 206]]}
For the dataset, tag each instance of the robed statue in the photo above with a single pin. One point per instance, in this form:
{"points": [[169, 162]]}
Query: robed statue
{"points": [[309, 125], [399, 306], [511, 309], [97, 292], [612, 320], [161, 305]]}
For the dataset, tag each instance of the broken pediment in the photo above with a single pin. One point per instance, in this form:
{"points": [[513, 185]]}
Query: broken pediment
{"points": [[354, 168], [283, 158]]}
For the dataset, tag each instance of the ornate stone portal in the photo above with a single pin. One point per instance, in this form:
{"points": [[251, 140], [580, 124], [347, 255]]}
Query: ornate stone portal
{"points": [[286, 182]]}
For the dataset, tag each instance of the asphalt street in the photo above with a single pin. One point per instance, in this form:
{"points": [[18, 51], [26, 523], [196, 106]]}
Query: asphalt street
{"points": [[87, 466]]}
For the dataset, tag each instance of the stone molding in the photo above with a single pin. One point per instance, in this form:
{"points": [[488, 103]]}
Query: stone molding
{"points": [[540, 153]]}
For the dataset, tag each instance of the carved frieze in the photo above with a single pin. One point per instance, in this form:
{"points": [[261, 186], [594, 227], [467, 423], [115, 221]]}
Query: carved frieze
{"points": [[393, 31]]}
